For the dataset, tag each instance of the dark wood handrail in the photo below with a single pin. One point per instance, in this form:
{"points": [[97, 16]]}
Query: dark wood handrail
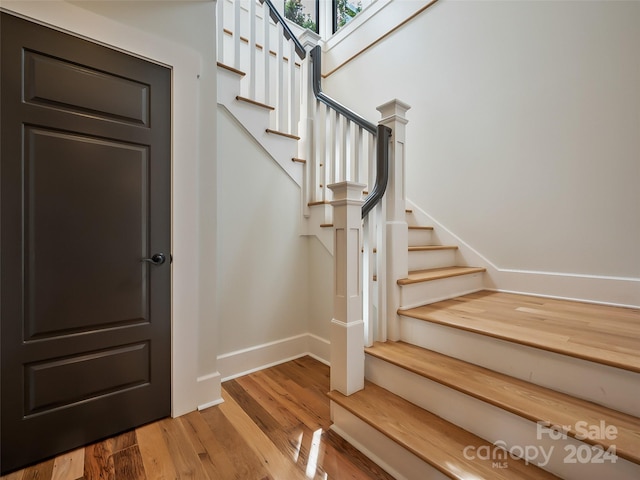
{"points": [[276, 17], [316, 56], [382, 170], [382, 133]]}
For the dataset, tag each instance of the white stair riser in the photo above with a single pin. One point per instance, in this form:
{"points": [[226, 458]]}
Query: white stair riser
{"points": [[612, 387], [426, 259], [393, 458], [420, 237], [423, 293], [497, 426]]}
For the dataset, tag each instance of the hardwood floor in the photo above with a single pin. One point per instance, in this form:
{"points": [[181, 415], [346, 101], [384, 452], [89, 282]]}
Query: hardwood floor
{"points": [[273, 424]]}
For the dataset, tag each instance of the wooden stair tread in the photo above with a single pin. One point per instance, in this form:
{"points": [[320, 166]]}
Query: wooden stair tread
{"points": [[598, 333], [254, 102], [419, 227], [522, 398], [429, 437], [418, 276], [282, 134], [231, 69], [428, 248]]}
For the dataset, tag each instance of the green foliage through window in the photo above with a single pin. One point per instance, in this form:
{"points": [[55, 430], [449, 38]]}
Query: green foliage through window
{"points": [[294, 11], [345, 11]]}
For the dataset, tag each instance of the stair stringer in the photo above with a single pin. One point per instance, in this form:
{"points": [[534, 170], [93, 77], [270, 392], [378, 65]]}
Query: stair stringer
{"points": [[255, 120], [605, 290]]}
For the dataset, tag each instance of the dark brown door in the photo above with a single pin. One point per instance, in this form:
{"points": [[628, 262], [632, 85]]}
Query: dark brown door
{"points": [[85, 198]]}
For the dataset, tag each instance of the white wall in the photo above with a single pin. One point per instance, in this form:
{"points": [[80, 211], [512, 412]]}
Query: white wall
{"points": [[192, 24], [180, 35], [524, 136], [262, 259]]}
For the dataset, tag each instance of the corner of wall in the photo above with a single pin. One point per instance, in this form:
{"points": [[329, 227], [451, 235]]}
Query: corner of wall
{"points": [[617, 291]]}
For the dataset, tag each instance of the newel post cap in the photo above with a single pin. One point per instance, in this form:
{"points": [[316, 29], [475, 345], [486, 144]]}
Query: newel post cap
{"points": [[394, 110], [309, 39], [350, 192]]}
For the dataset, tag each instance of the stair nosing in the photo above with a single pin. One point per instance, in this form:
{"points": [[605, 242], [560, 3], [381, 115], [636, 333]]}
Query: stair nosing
{"points": [[428, 419], [231, 69], [419, 227], [428, 248], [282, 134], [447, 272], [254, 102], [534, 391]]}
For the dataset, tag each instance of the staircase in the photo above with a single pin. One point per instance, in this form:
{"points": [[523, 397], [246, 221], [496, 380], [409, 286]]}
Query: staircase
{"points": [[493, 385], [475, 384]]}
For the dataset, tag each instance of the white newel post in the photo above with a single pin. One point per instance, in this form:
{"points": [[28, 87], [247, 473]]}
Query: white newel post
{"points": [[397, 236], [347, 325], [306, 145]]}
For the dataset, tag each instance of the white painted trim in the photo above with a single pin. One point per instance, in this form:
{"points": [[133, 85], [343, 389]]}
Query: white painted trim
{"points": [[360, 20], [213, 403], [319, 348], [604, 290], [186, 67], [258, 357], [370, 26], [209, 392]]}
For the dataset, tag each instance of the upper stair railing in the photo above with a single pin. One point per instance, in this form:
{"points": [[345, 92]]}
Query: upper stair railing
{"points": [[342, 153], [253, 40]]}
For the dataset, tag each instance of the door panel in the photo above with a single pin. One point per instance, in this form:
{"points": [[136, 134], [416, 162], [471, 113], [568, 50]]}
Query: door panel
{"points": [[84, 198], [74, 246], [55, 383], [47, 80]]}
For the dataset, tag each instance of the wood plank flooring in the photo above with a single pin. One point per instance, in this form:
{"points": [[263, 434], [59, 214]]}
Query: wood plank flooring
{"points": [[273, 424], [599, 333]]}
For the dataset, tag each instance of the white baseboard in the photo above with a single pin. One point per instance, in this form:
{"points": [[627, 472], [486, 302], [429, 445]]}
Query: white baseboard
{"points": [[319, 348], [616, 291], [248, 360], [209, 390]]}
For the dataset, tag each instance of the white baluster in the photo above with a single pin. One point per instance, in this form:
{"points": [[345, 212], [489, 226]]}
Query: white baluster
{"points": [[293, 99], [331, 146], [236, 35], [369, 313], [280, 99], [381, 269], [252, 50], [358, 158], [220, 30], [320, 125], [266, 53]]}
